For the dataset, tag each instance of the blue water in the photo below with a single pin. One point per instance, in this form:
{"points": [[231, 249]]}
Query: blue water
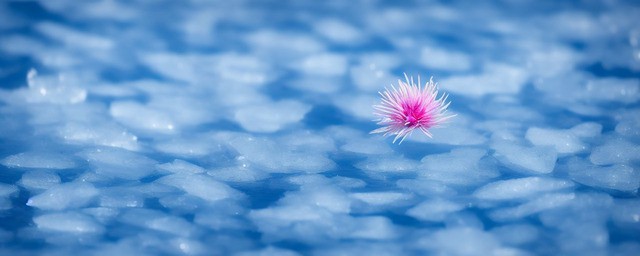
{"points": [[225, 128]]}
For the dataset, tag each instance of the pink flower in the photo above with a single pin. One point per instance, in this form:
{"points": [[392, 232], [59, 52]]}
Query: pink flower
{"points": [[411, 107]]}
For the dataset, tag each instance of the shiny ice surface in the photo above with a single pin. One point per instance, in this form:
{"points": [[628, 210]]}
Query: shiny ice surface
{"points": [[242, 128]]}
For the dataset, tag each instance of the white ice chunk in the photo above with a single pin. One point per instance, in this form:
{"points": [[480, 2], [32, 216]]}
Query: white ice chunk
{"points": [[554, 60], [434, 210], [314, 224], [189, 246], [358, 106], [391, 20], [79, 43], [70, 222], [425, 187], [575, 25], [119, 90], [142, 117], [275, 158], [200, 26], [613, 89], [367, 146], [579, 91], [228, 67], [188, 146], [40, 160], [586, 228], [615, 151], [53, 89], [317, 84], [102, 214], [564, 141], [281, 43], [508, 107], [311, 212], [520, 188], [496, 79], [64, 196], [242, 69], [618, 177], [185, 111], [390, 164], [516, 234], [119, 163], [370, 77], [463, 219], [587, 130], [540, 204], [244, 172], [339, 31], [374, 228], [182, 203], [37, 180], [461, 166], [449, 242], [362, 247], [347, 183], [342, 133], [170, 224], [290, 213], [381, 60], [629, 122], [373, 72], [325, 64], [381, 198], [222, 215], [330, 198], [45, 114], [308, 140], [181, 166], [21, 45], [99, 133], [271, 117], [6, 191], [201, 186], [301, 222], [443, 59], [156, 220], [450, 135], [538, 159], [270, 251], [116, 197], [91, 11], [308, 180]]}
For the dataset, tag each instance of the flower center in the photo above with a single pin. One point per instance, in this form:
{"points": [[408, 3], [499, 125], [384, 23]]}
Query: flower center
{"points": [[410, 120]]}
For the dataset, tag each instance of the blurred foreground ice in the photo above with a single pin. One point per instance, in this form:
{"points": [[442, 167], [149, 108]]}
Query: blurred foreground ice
{"points": [[202, 128]]}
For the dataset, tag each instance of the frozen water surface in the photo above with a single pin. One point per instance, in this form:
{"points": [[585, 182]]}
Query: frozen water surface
{"points": [[242, 128]]}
